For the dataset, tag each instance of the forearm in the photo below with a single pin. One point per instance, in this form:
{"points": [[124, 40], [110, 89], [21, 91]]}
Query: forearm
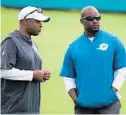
{"points": [[119, 78], [73, 94], [17, 74], [70, 87]]}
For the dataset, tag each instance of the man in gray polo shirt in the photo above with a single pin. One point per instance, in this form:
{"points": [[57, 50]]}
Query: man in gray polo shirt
{"points": [[21, 71]]}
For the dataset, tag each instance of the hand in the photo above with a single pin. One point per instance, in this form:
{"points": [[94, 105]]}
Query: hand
{"points": [[46, 74], [114, 89], [73, 94], [41, 75]]}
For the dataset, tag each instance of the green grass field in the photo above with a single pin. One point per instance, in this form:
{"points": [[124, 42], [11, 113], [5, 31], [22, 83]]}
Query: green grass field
{"points": [[52, 42]]}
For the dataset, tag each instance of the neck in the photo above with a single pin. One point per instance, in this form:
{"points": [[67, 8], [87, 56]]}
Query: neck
{"points": [[22, 31], [88, 34]]}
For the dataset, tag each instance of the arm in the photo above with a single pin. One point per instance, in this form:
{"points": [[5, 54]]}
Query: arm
{"points": [[70, 87], [16, 74], [8, 61], [68, 70], [68, 67], [73, 94], [119, 78], [119, 65]]}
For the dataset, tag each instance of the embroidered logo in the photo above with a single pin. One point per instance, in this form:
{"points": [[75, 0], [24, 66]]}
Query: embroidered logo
{"points": [[103, 47], [3, 53]]}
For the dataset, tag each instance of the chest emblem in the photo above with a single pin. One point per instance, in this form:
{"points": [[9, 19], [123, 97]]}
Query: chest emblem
{"points": [[103, 46]]}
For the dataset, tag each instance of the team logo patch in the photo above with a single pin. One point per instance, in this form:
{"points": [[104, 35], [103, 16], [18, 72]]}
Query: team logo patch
{"points": [[103, 47]]}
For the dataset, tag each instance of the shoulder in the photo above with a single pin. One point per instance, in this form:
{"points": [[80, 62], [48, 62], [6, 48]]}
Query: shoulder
{"points": [[8, 43], [77, 41], [108, 34], [117, 43], [10, 38], [7, 40], [74, 44]]}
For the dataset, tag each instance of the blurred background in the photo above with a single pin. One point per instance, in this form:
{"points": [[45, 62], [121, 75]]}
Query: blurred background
{"points": [[55, 37]]}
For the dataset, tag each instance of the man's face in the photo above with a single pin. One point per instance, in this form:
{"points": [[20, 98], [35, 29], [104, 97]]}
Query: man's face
{"points": [[91, 21], [33, 27]]}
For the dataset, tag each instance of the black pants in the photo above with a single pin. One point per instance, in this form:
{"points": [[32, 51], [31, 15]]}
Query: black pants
{"points": [[111, 109]]}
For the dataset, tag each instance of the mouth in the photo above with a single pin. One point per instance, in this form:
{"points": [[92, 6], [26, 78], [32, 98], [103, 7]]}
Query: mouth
{"points": [[39, 30], [96, 26]]}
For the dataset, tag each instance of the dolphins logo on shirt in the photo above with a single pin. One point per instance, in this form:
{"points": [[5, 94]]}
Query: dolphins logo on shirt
{"points": [[103, 47]]}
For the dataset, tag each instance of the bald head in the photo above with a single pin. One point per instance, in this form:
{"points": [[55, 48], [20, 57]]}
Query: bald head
{"points": [[89, 11], [90, 19]]}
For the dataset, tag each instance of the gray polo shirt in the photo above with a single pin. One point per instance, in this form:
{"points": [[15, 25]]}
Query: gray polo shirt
{"points": [[19, 96]]}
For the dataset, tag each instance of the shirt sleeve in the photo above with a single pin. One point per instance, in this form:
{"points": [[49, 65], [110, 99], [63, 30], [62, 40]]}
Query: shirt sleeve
{"points": [[8, 54], [69, 83], [119, 64], [68, 69], [16, 74], [119, 78], [8, 61], [119, 55]]}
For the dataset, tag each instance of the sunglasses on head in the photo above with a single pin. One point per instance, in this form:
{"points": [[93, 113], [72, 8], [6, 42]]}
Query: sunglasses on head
{"points": [[39, 10], [90, 18]]}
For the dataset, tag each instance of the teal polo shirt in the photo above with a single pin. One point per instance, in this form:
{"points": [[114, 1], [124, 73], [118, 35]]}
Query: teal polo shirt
{"points": [[92, 64]]}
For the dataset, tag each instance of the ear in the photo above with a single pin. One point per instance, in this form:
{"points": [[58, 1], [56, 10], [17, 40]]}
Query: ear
{"points": [[82, 21]]}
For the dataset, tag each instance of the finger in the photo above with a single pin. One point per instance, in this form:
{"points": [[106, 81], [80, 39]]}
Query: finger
{"points": [[47, 74], [46, 77], [46, 71]]}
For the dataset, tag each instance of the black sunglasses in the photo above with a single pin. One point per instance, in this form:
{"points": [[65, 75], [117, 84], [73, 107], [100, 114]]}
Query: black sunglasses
{"points": [[39, 10], [90, 18]]}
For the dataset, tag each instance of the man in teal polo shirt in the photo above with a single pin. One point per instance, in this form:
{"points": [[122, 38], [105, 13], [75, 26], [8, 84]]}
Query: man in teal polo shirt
{"points": [[89, 65]]}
